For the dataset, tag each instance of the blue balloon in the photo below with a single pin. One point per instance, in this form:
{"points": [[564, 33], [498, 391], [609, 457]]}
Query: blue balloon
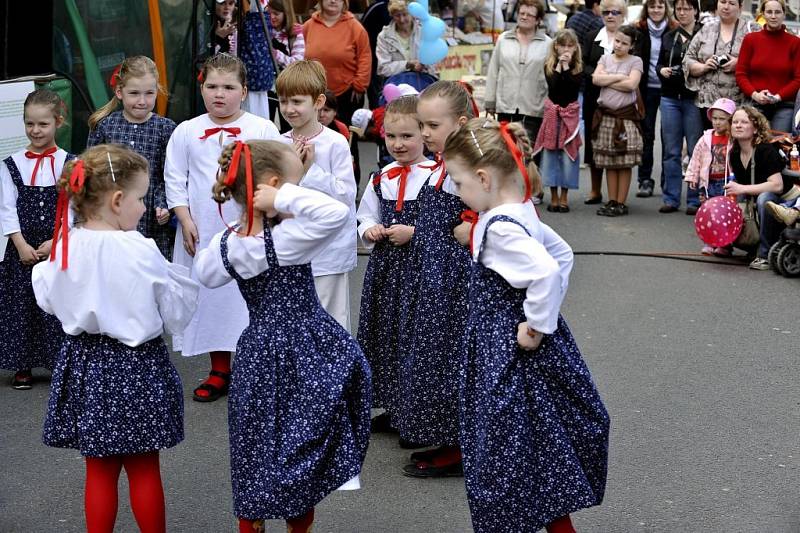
{"points": [[432, 47]]}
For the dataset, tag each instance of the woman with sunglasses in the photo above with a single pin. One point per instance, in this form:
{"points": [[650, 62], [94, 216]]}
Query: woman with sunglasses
{"points": [[598, 44]]}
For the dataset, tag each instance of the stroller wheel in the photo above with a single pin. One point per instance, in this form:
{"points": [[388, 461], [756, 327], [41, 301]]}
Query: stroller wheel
{"points": [[789, 260], [773, 255]]}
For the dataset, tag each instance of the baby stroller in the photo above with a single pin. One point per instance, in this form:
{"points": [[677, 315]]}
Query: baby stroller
{"points": [[784, 256]]}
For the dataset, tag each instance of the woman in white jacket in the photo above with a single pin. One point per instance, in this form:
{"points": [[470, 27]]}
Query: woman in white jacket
{"points": [[398, 43], [515, 85]]}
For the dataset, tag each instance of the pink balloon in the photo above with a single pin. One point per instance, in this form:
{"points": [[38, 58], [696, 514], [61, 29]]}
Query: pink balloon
{"points": [[718, 221], [391, 92]]}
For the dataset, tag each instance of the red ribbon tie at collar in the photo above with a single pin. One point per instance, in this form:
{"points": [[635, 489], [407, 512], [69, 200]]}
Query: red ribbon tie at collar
{"points": [[402, 173], [232, 132], [470, 216], [39, 157], [439, 163]]}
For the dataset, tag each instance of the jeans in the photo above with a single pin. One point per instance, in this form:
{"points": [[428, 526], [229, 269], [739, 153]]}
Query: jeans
{"points": [[769, 229], [651, 102], [679, 119], [780, 116]]}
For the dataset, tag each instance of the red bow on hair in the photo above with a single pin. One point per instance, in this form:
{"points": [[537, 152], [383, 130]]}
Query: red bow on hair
{"points": [[39, 157], [230, 179], [115, 77], [232, 132], [402, 173], [200, 76], [516, 153], [467, 87], [76, 181], [439, 163], [470, 216]]}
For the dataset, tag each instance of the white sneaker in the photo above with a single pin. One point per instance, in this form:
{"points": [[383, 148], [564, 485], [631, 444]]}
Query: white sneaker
{"points": [[759, 263], [786, 215]]}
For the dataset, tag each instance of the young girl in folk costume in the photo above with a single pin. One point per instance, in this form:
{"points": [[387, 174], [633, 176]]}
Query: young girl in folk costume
{"points": [[534, 432], [708, 168], [135, 85], [115, 395], [559, 138], [190, 171], [616, 133], [298, 411], [386, 219], [328, 169], [430, 351], [29, 337]]}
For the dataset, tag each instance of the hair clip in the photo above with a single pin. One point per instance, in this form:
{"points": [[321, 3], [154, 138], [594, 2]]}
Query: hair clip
{"points": [[110, 166], [486, 123], [477, 144]]}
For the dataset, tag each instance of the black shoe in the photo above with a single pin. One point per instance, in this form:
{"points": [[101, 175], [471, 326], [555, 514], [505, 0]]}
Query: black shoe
{"points": [[427, 470], [382, 424], [645, 190], [691, 210], [552, 208], [23, 380], [593, 200], [666, 208], [411, 445], [607, 210], [620, 210]]}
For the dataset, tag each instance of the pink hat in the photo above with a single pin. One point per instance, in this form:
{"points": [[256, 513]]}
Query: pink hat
{"points": [[723, 104]]}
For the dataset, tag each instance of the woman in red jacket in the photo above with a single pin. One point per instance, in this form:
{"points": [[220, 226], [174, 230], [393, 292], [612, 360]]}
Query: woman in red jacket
{"points": [[768, 70], [337, 40]]}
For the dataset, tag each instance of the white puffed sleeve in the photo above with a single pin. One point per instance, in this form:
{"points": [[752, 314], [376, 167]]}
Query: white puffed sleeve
{"points": [[525, 264], [9, 220], [561, 252], [176, 297], [176, 168], [368, 214], [208, 267]]}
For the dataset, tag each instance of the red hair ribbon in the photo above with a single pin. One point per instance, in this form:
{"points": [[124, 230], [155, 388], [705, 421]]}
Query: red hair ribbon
{"points": [[76, 180], [402, 173], [516, 153], [230, 179], [232, 132], [39, 157], [470, 216], [439, 164], [115, 77], [467, 87], [200, 76]]}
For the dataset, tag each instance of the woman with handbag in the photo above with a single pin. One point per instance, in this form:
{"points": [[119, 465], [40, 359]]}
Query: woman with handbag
{"points": [[756, 164]]}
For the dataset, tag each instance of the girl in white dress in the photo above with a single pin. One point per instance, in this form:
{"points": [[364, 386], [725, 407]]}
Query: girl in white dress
{"points": [[190, 173], [115, 395]]}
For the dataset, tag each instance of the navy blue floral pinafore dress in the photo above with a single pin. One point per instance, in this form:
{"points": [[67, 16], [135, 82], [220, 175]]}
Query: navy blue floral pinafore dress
{"points": [[107, 398], [431, 346], [29, 337], [299, 399], [534, 431], [389, 281]]}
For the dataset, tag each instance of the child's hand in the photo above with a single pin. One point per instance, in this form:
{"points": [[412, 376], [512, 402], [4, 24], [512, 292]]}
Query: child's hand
{"points": [[305, 151], [400, 234], [461, 233], [224, 29], [264, 199], [375, 233], [43, 251], [162, 216], [27, 254], [526, 339], [190, 235]]}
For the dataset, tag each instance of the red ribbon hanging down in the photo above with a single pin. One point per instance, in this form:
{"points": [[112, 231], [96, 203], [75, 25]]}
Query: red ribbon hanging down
{"points": [[468, 215], [439, 163], [76, 180], [516, 153], [112, 81], [402, 173], [232, 132], [230, 180], [39, 157]]}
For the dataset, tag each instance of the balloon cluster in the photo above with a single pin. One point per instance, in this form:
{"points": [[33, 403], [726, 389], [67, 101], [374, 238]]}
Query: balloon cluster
{"points": [[432, 48], [718, 221]]}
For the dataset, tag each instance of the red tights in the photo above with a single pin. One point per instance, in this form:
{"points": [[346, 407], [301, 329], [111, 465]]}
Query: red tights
{"points": [[298, 524], [147, 494], [560, 525], [221, 362]]}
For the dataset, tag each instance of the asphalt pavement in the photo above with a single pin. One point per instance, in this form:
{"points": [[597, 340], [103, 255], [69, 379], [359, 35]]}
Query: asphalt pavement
{"points": [[696, 363]]}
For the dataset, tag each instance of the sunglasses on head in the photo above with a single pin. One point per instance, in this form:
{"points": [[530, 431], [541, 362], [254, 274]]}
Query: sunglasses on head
{"points": [[613, 12]]}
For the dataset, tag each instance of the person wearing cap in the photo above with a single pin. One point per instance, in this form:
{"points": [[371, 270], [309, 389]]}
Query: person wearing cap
{"points": [[397, 48]]}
